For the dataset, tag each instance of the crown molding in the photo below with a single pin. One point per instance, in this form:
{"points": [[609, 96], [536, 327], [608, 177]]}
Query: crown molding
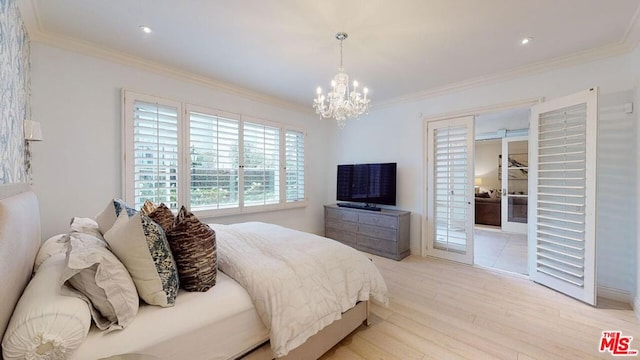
{"points": [[33, 23], [30, 15], [531, 69], [29, 12], [90, 49], [631, 37]]}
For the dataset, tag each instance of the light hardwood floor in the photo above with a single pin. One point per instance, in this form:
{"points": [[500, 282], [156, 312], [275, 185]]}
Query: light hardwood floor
{"points": [[444, 310]]}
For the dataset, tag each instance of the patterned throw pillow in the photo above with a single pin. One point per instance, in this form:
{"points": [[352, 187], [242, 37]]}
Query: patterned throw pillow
{"points": [[161, 214], [107, 217], [193, 244], [142, 246]]}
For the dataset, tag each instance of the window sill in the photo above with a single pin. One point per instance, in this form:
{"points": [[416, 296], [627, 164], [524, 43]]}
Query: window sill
{"points": [[208, 214]]}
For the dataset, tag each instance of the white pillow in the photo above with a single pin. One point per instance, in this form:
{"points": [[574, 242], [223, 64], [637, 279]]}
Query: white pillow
{"points": [[96, 276], [142, 246], [87, 226], [46, 324], [56, 244]]}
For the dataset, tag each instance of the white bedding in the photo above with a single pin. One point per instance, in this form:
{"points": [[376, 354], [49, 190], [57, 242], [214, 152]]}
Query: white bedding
{"points": [[303, 284], [218, 324]]}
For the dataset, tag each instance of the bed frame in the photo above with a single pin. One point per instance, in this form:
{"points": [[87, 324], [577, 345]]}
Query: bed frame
{"points": [[321, 342], [19, 244], [20, 239]]}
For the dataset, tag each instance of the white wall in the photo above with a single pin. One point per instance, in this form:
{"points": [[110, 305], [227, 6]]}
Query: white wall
{"points": [[77, 169], [636, 300], [636, 62], [616, 196], [395, 133]]}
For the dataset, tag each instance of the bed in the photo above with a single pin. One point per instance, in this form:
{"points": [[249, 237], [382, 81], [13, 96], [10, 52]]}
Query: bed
{"points": [[222, 323]]}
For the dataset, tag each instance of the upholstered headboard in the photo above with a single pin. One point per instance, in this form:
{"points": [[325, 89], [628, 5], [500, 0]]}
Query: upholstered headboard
{"points": [[19, 244]]}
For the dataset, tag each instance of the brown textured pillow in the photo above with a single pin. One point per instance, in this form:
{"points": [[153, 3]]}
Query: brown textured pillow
{"points": [[193, 244], [148, 207], [160, 214]]}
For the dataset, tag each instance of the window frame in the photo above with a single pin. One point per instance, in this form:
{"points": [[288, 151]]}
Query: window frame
{"points": [[184, 111]]}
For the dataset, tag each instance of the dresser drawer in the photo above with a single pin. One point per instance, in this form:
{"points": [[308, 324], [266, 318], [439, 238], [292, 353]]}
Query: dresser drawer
{"points": [[377, 232], [367, 243], [379, 220], [346, 237], [341, 225], [342, 214]]}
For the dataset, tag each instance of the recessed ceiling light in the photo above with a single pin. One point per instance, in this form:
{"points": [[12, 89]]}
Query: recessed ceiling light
{"points": [[145, 29], [526, 40]]}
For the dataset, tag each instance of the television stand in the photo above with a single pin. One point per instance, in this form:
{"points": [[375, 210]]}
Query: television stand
{"points": [[385, 232], [359, 206]]}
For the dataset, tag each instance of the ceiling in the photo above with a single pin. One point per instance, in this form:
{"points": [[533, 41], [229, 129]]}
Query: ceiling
{"points": [[285, 49]]}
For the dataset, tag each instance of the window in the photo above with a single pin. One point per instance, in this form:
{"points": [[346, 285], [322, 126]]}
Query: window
{"points": [[214, 165], [154, 149], [213, 161], [261, 166], [294, 165]]}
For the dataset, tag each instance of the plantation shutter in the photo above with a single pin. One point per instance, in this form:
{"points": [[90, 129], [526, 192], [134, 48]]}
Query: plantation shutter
{"points": [[450, 188], [211, 161], [155, 153], [294, 166], [261, 164], [214, 160], [563, 147]]}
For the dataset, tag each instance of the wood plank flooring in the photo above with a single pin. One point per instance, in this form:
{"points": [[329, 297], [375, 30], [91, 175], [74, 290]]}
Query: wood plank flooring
{"points": [[444, 310]]}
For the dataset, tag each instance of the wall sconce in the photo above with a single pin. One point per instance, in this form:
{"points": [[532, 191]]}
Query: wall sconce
{"points": [[32, 131]]}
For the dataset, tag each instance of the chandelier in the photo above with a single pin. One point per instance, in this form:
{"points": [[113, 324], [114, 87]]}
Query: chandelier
{"points": [[341, 103]]}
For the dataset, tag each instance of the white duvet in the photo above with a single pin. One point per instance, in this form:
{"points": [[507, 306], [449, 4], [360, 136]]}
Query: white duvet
{"points": [[299, 282]]}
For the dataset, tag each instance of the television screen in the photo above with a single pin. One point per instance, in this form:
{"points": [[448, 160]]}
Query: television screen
{"points": [[367, 183]]}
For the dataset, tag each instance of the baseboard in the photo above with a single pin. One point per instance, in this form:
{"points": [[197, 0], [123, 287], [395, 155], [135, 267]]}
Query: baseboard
{"points": [[615, 294], [636, 306]]}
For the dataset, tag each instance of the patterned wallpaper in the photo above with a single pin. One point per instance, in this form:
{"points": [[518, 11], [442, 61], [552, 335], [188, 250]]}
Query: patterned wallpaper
{"points": [[14, 93]]}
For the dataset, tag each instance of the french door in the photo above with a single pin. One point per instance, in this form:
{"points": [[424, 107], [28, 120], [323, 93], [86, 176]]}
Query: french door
{"points": [[562, 199], [514, 175], [450, 189]]}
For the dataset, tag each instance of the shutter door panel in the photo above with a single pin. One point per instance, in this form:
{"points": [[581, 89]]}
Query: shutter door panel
{"points": [[564, 196], [450, 216], [451, 204]]}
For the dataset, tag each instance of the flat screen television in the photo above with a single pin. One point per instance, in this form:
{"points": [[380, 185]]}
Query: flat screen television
{"points": [[370, 184]]}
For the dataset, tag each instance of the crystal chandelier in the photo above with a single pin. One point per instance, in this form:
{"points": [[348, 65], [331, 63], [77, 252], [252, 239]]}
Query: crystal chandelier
{"points": [[341, 103]]}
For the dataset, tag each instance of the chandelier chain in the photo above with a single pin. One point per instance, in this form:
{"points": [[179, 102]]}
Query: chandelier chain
{"points": [[341, 53]]}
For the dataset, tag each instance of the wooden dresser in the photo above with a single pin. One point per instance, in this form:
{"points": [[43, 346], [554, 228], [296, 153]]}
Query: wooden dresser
{"points": [[384, 233]]}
